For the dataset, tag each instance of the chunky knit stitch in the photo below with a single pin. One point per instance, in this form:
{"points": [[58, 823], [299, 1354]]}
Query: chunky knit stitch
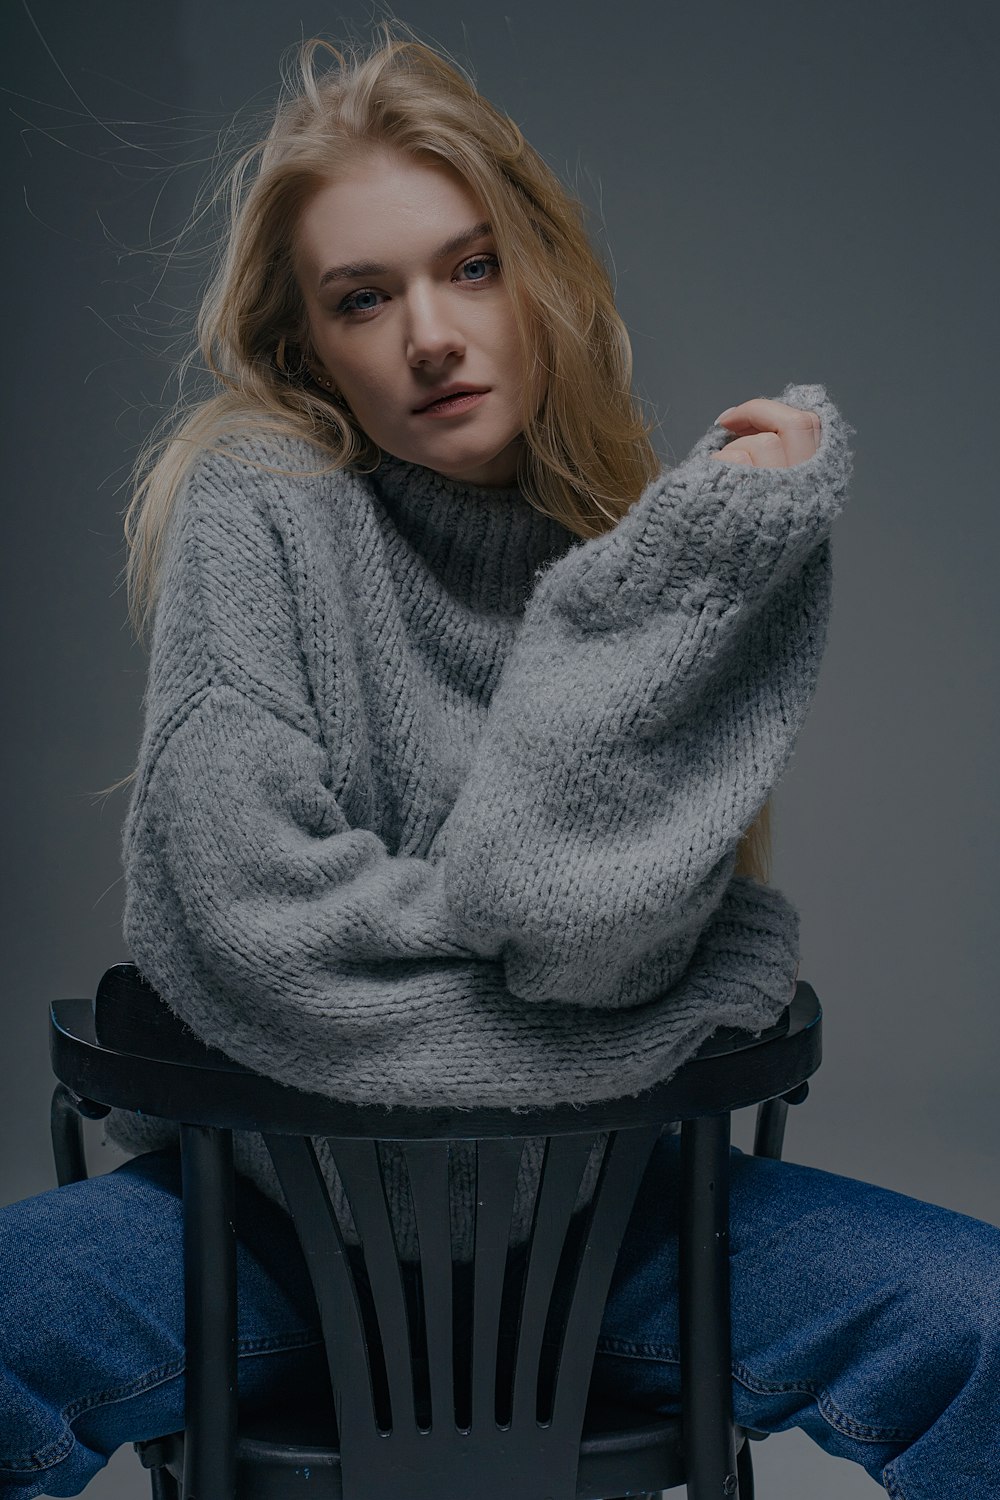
{"points": [[438, 803]]}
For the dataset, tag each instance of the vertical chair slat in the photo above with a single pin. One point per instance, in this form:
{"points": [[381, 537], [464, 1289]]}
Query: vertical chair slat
{"points": [[625, 1160], [322, 1241], [360, 1169], [562, 1170], [427, 1165], [497, 1163]]}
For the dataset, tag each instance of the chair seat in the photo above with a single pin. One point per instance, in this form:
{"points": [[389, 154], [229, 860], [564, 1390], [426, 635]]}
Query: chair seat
{"points": [[280, 1451]]}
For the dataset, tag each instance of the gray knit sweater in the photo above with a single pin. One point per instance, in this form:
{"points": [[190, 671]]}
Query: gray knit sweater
{"points": [[438, 803]]}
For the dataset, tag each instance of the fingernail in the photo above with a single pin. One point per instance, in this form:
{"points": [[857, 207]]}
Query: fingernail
{"points": [[727, 413]]}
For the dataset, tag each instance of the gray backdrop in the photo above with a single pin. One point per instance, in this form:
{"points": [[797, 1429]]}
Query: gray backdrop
{"points": [[785, 192]]}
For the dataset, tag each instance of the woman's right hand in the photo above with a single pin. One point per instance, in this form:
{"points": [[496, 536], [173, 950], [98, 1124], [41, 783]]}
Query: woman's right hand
{"points": [[774, 434]]}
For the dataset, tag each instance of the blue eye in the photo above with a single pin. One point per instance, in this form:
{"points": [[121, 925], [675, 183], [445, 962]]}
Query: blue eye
{"points": [[480, 260], [349, 304]]}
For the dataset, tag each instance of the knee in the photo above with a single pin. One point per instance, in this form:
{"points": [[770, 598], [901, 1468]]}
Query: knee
{"points": [[949, 1295], [34, 1321]]}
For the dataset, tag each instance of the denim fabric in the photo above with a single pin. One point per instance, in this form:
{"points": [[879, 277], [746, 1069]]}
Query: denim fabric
{"points": [[867, 1318]]}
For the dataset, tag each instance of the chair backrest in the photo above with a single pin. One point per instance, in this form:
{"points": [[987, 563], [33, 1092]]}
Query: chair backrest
{"points": [[398, 1427], [495, 1400]]}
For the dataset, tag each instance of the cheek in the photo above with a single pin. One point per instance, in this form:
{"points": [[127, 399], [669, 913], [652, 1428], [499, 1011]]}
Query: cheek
{"points": [[322, 340], [511, 345], [504, 341], [371, 394], [514, 368], [353, 373]]}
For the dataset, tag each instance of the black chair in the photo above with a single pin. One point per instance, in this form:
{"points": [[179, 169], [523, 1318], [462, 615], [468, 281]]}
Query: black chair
{"points": [[457, 1419]]}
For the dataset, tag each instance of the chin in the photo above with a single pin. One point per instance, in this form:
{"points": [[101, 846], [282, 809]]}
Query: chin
{"points": [[464, 455], [474, 458], [496, 469]]}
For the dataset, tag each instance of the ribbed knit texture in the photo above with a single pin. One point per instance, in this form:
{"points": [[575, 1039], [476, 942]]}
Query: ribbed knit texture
{"points": [[438, 804]]}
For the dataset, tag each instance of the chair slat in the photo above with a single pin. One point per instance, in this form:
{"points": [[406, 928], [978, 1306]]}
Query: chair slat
{"points": [[360, 1167], [562, 1171], [626, 1157], [427, 1164], [497, 1163], [322, 1241]]}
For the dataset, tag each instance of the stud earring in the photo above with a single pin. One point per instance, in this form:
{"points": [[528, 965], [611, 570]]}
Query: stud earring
{"points": [[325, 380]]}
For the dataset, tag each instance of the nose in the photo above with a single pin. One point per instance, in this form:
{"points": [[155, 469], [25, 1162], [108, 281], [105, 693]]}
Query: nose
{"points": [[432, 332]]}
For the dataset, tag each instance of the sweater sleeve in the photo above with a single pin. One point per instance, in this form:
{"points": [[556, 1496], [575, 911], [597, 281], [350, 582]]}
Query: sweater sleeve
{"points": [[648, 708], [575, 929], [300, 947]]}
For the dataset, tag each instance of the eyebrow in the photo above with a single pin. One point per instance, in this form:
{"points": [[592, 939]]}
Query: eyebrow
{"points": [[374, 268]]}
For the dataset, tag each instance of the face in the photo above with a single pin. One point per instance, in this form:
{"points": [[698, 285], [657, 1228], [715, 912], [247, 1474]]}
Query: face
{"points": [[404, 314]]}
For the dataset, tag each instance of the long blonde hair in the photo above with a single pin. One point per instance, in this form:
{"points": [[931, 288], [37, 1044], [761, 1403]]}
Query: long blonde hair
{"points": [[587, 454]]}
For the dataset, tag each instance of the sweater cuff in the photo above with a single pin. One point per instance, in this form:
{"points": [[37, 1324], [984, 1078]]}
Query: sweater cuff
{"points": [[706, 535], [751, 942]]}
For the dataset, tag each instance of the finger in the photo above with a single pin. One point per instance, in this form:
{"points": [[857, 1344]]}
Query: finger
{"points": [[764, 449], [798, 428]]}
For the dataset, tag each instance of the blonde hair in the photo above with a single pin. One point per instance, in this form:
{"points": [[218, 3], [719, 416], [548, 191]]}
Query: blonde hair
{"points": [[586, 455]]}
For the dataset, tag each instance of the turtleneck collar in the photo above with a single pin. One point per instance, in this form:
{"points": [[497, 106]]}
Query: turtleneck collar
{"points": [[484, 544]]}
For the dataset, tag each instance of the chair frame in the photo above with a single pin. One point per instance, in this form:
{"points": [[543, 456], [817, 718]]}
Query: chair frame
{"points": [[126, 1049]]}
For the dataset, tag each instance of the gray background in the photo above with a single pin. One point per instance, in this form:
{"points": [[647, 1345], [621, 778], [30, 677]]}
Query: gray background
{"points": [[784, 192]]}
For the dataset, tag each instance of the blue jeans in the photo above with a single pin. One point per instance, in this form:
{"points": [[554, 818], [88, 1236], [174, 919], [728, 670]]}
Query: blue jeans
{"points": [[867, 1318]]}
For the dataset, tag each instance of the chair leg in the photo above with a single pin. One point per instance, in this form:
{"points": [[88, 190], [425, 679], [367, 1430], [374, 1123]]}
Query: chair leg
{"points": [[744, 1471], [67, 1132], [164, 1484], [703, 1308], [152, 1454], [769, 1134], [210, 1314]]}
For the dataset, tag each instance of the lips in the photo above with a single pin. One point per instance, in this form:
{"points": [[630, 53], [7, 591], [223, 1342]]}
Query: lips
{"points": [[450, 393]]}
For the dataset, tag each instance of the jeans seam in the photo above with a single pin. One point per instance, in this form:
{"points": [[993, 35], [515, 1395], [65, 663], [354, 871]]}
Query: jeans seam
{"points": [[47, 1458], [826, 1406], [889, 1481], [609, 1344]]}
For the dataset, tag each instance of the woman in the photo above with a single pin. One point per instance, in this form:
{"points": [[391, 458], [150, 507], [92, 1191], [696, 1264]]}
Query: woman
{"points": [[461, 723]]}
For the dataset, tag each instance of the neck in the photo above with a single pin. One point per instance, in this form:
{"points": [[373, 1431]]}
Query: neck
{"points": [[499, 472], [485, 543]]}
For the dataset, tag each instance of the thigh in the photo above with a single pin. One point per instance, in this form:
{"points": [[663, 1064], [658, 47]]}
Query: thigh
{"points": [[850, 1300], [92, 1332]]}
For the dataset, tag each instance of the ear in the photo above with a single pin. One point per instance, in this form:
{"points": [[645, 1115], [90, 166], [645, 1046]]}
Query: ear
{"points": [[306, 358], [293, 361]]}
